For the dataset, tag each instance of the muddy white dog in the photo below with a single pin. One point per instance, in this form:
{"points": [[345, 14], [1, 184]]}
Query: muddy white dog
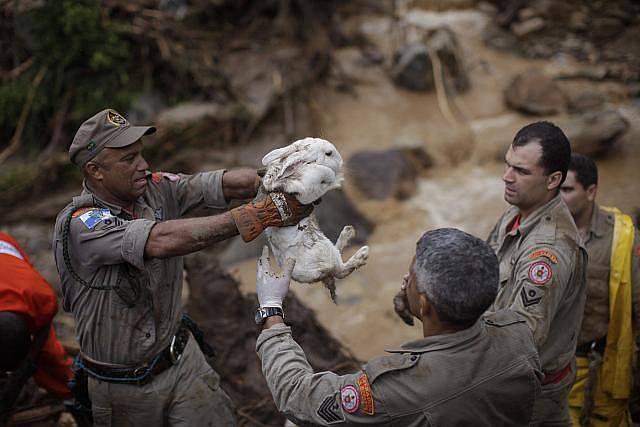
{"points": [[308, 168]]}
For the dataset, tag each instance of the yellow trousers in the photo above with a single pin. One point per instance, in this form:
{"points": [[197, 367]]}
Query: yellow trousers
{"points": [[607, 412]]}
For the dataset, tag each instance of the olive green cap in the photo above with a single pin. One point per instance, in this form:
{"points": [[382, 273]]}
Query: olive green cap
{"points": [[107, 129]]}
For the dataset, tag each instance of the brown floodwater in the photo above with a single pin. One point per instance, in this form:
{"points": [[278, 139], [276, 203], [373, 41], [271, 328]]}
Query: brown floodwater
{"points": [[463, 190]]}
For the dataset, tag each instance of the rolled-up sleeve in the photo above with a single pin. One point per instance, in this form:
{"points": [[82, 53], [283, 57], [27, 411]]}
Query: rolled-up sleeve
{"points": [[134, 240], [203, 188]]}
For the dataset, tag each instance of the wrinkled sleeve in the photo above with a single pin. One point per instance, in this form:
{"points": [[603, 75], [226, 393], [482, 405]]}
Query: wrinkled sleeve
{"points": [[200, 189], [543, 283], [110, 241], [322, 398], [492, 240], [53, 367]]}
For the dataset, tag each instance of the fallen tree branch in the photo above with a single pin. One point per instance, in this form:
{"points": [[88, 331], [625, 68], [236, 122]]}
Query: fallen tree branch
{"points": [[16, 139]]}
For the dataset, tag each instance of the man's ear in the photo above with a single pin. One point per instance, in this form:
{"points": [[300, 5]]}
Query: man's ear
{"points": [[93, 170], [425, 306], [592, 190], [553, 180]]}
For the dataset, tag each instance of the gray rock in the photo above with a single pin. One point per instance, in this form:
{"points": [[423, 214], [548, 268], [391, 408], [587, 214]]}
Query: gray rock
{"points": [[384, 174], [412, 68], [584, 101], [527, 27], [534, 93], [595, 133]]}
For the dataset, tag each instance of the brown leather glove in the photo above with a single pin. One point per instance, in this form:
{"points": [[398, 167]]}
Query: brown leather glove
{"points": [[401, 307], [275, 210]]}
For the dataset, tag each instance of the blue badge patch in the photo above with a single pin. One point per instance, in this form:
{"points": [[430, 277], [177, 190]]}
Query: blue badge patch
{"points": [[157, 214], [94, 216]]}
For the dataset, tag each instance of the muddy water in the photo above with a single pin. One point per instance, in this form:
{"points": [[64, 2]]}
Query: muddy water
{"points": [[463, 191]]}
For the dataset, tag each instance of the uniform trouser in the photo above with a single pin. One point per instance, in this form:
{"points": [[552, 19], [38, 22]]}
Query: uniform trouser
{"points": [[186, 394], [606, 410], [552, 406]]}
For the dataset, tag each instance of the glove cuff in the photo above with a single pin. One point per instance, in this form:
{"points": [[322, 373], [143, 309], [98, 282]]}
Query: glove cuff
{"points": [[247, 221]]}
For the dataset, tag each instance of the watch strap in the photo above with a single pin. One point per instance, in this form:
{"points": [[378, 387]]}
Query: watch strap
{"points": [[264, 312]]}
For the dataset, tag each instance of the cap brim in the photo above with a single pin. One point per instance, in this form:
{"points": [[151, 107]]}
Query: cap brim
{"points": [[129, 136]]}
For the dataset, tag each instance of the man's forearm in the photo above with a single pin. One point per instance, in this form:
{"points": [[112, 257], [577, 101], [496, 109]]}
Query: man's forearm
{"points": [[183, 236], [240, 184]]}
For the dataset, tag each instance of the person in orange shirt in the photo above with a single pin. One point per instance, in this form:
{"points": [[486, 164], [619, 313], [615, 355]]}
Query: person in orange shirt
{"points": [[28, 342]]}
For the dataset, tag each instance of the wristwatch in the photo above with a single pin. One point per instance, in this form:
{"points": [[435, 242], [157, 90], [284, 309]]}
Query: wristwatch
{"points": [[264, 312]]}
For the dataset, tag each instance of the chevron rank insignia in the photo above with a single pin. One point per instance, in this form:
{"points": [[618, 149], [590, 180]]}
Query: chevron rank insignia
{"points": [[329, 410], [531, 295]]}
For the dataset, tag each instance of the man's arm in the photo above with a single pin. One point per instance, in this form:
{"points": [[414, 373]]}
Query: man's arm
{"points": [[240, 184]]}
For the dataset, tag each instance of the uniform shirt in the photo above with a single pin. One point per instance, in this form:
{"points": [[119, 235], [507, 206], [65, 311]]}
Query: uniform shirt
{"points": [[542, 277], [23, 290], [596, 310], [103, 240], [486, 375]]}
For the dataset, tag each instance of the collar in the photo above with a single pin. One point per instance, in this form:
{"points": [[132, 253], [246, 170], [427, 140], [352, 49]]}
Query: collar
{"points": [[532, 220], [440, 342], [115, 209], [601, 221]]}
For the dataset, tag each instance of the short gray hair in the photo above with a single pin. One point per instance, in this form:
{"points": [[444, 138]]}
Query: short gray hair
{"points": [[458, 272]]}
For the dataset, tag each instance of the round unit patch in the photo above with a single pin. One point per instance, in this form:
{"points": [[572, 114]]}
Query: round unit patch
{"points": [[540, 272], [350, 399]]}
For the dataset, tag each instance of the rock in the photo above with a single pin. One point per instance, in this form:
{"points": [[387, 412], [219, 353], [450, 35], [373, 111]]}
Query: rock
{"points": [[392, 173], [584, 101], [534, 93], [192, 112], [527, 27], [412, 68], [336, 211], [595, 133]]}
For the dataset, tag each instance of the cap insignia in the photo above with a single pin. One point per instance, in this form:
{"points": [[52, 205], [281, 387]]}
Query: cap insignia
{"points": [[116, 119]]}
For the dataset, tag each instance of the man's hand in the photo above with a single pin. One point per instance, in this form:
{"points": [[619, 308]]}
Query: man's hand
{"points": [[271, 288], [401, 305], [275, 210]]}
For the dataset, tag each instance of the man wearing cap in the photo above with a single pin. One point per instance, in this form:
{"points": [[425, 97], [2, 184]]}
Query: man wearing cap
{"points": [[118, 249]]}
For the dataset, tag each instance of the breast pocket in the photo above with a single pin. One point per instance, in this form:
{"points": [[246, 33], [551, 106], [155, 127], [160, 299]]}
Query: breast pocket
{"points": [[598, 281]]}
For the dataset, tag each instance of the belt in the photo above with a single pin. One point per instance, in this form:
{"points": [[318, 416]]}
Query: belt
{"points": [[556, 377], [598, 346], [141, 374]]}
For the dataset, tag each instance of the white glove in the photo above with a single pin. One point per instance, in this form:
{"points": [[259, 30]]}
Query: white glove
{"points": [[270, 287]]}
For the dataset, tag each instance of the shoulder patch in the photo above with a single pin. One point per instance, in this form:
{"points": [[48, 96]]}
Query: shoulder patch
{"points": [[329, 410], [94, 216], [530, 295], [540, 273], [367, 396], [8, 249], [544, 253], [157, 176], [349, 398], [81, 211], [638, 251]]}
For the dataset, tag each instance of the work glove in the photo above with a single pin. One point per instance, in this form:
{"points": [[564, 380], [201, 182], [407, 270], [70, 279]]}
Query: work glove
{"points": [[271, 288], [274, 210], [401, 305]]}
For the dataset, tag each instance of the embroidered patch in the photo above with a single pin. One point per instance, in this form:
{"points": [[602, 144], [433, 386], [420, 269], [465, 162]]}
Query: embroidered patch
{"points": [[329, 410], [530, 295], [116, 119], [81, 211], [540, 272], [170, 176], [350, 399], [91, 145], [545, 253], [157, 214], [365, 393], [94, 216], [9, 249], [156, 177], [638, 251]]}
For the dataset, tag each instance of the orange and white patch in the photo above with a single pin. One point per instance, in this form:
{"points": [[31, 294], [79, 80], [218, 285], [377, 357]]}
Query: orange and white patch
{"points": [[544, 253], [366, 395], [81, 211], [350, 399], [540, 273]]}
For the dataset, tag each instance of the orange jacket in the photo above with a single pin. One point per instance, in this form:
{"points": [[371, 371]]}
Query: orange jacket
{"points": [[23, 290]]}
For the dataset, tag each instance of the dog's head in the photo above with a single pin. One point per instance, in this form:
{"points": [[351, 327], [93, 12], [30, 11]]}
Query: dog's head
{"points": [[307, 168]]}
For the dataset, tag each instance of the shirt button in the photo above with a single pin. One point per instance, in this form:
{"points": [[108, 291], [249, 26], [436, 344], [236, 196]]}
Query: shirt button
{"points": [[148, 335], [414, 358]]}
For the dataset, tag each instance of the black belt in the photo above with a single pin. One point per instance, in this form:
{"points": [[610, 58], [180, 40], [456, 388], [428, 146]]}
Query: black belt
{"points": [[142, 374], [598, 346]]}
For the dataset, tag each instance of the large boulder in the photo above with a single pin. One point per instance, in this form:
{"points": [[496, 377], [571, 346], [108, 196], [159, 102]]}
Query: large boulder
{"points": [[391, 173], [595, 133], [412, 67], [532, 92]]}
